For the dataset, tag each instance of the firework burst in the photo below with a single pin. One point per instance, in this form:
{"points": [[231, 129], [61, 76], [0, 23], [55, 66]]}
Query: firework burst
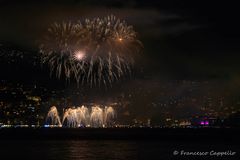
{"points": [[96, 51]]}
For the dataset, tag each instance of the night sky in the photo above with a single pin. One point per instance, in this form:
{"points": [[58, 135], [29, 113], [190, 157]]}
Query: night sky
{"points": [[190, 49]]}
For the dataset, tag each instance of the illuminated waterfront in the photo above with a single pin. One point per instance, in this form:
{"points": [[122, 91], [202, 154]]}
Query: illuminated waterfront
{"points": [[115, 79]]}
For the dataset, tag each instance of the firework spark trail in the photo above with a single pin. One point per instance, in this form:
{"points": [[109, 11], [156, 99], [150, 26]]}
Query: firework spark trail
{"points": [[96, 51]]}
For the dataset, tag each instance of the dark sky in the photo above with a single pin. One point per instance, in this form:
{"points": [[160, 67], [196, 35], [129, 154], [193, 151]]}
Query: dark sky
{"points": [[183, 40], [186, 39]]}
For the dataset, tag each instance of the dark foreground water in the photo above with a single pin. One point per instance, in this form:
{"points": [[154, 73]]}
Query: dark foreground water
{"points": [[119, 143], [111, 149]]}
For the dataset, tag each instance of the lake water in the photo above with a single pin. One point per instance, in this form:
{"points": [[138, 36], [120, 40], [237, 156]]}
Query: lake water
{"points": [[106, 149]]}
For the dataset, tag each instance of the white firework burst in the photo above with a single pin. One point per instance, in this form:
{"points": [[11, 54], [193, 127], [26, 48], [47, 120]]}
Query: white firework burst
{"points": [[100, 50]]}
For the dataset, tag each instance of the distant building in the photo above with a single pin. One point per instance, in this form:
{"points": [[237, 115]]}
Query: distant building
{"points": [[185, 123], [149, 123], [202, 121]]}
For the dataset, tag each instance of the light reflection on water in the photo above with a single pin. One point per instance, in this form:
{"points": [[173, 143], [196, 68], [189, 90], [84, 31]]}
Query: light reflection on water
{"points": [[98, 149], [68, 150]]}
